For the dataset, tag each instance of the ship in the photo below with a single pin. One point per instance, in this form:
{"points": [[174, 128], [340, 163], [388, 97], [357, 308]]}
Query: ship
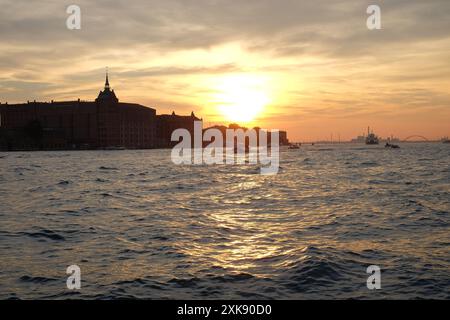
{"points": [[371, 138], [445, 140], [392, 146]]}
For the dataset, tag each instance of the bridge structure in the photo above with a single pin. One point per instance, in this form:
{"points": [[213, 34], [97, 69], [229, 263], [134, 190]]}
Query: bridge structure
{"points": [[416, 138]]}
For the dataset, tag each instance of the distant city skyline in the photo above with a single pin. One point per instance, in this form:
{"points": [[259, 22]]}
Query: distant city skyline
{"points": [[313, 69]]}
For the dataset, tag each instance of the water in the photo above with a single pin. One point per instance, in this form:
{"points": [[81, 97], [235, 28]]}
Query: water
{"points": [[140, 227]]}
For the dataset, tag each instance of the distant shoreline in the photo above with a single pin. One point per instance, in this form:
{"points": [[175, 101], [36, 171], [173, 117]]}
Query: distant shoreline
{"points": [[167, 148]]}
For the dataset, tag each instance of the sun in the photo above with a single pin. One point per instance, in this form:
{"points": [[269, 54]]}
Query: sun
{"points": [[241, 98]]}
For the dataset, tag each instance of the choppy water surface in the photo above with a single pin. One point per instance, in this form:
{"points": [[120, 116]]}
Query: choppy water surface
{"points": [[140, 227]]}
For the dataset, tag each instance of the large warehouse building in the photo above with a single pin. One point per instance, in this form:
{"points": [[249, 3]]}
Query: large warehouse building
{"points": [[102, 124]]}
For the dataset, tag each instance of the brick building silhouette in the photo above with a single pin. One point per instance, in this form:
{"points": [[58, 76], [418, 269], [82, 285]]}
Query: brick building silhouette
{"points": [[103, 124]]}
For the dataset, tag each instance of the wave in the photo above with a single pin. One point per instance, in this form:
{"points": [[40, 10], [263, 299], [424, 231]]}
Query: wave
{"points": [[108, 168], [39, 280], [46, 234]]}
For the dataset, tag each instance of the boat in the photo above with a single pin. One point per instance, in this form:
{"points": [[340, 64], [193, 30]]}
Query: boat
{"points": [[294, 146], [392, 146], [445, 140], [371, 138]]}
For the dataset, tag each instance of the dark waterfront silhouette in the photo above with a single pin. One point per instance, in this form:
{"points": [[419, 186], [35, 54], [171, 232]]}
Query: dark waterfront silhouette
{"points": [[105, 123]]}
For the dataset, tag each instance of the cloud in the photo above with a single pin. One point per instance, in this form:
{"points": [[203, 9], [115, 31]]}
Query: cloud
{"points": [[322, 45], [172, 71]]}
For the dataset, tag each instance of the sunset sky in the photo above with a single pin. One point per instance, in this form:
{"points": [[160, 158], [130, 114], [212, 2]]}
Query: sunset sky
{"points": [[309, 67]]}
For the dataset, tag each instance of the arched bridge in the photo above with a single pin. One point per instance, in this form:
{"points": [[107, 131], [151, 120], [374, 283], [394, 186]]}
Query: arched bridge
{"points": [[415, 137]]}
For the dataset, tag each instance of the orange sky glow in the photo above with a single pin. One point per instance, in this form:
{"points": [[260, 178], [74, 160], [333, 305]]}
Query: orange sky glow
{"points": [[313, 68]]}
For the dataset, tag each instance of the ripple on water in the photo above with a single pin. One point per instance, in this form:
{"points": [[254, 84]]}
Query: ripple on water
{"points": [[108, 168], [44, 234], [38, 280], [141, 227]]}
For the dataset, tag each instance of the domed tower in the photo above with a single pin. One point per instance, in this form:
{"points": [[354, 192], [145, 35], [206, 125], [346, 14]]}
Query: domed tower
{"points": [[107, 95]]}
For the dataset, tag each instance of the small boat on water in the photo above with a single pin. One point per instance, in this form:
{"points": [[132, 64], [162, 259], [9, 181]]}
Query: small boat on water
{"points": [[294, 146], [392, 146], [445, 140], [371, 138]]}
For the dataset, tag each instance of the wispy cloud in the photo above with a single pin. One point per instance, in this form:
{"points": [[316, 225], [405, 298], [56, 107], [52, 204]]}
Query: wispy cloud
{"points": [[164, 51]]}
